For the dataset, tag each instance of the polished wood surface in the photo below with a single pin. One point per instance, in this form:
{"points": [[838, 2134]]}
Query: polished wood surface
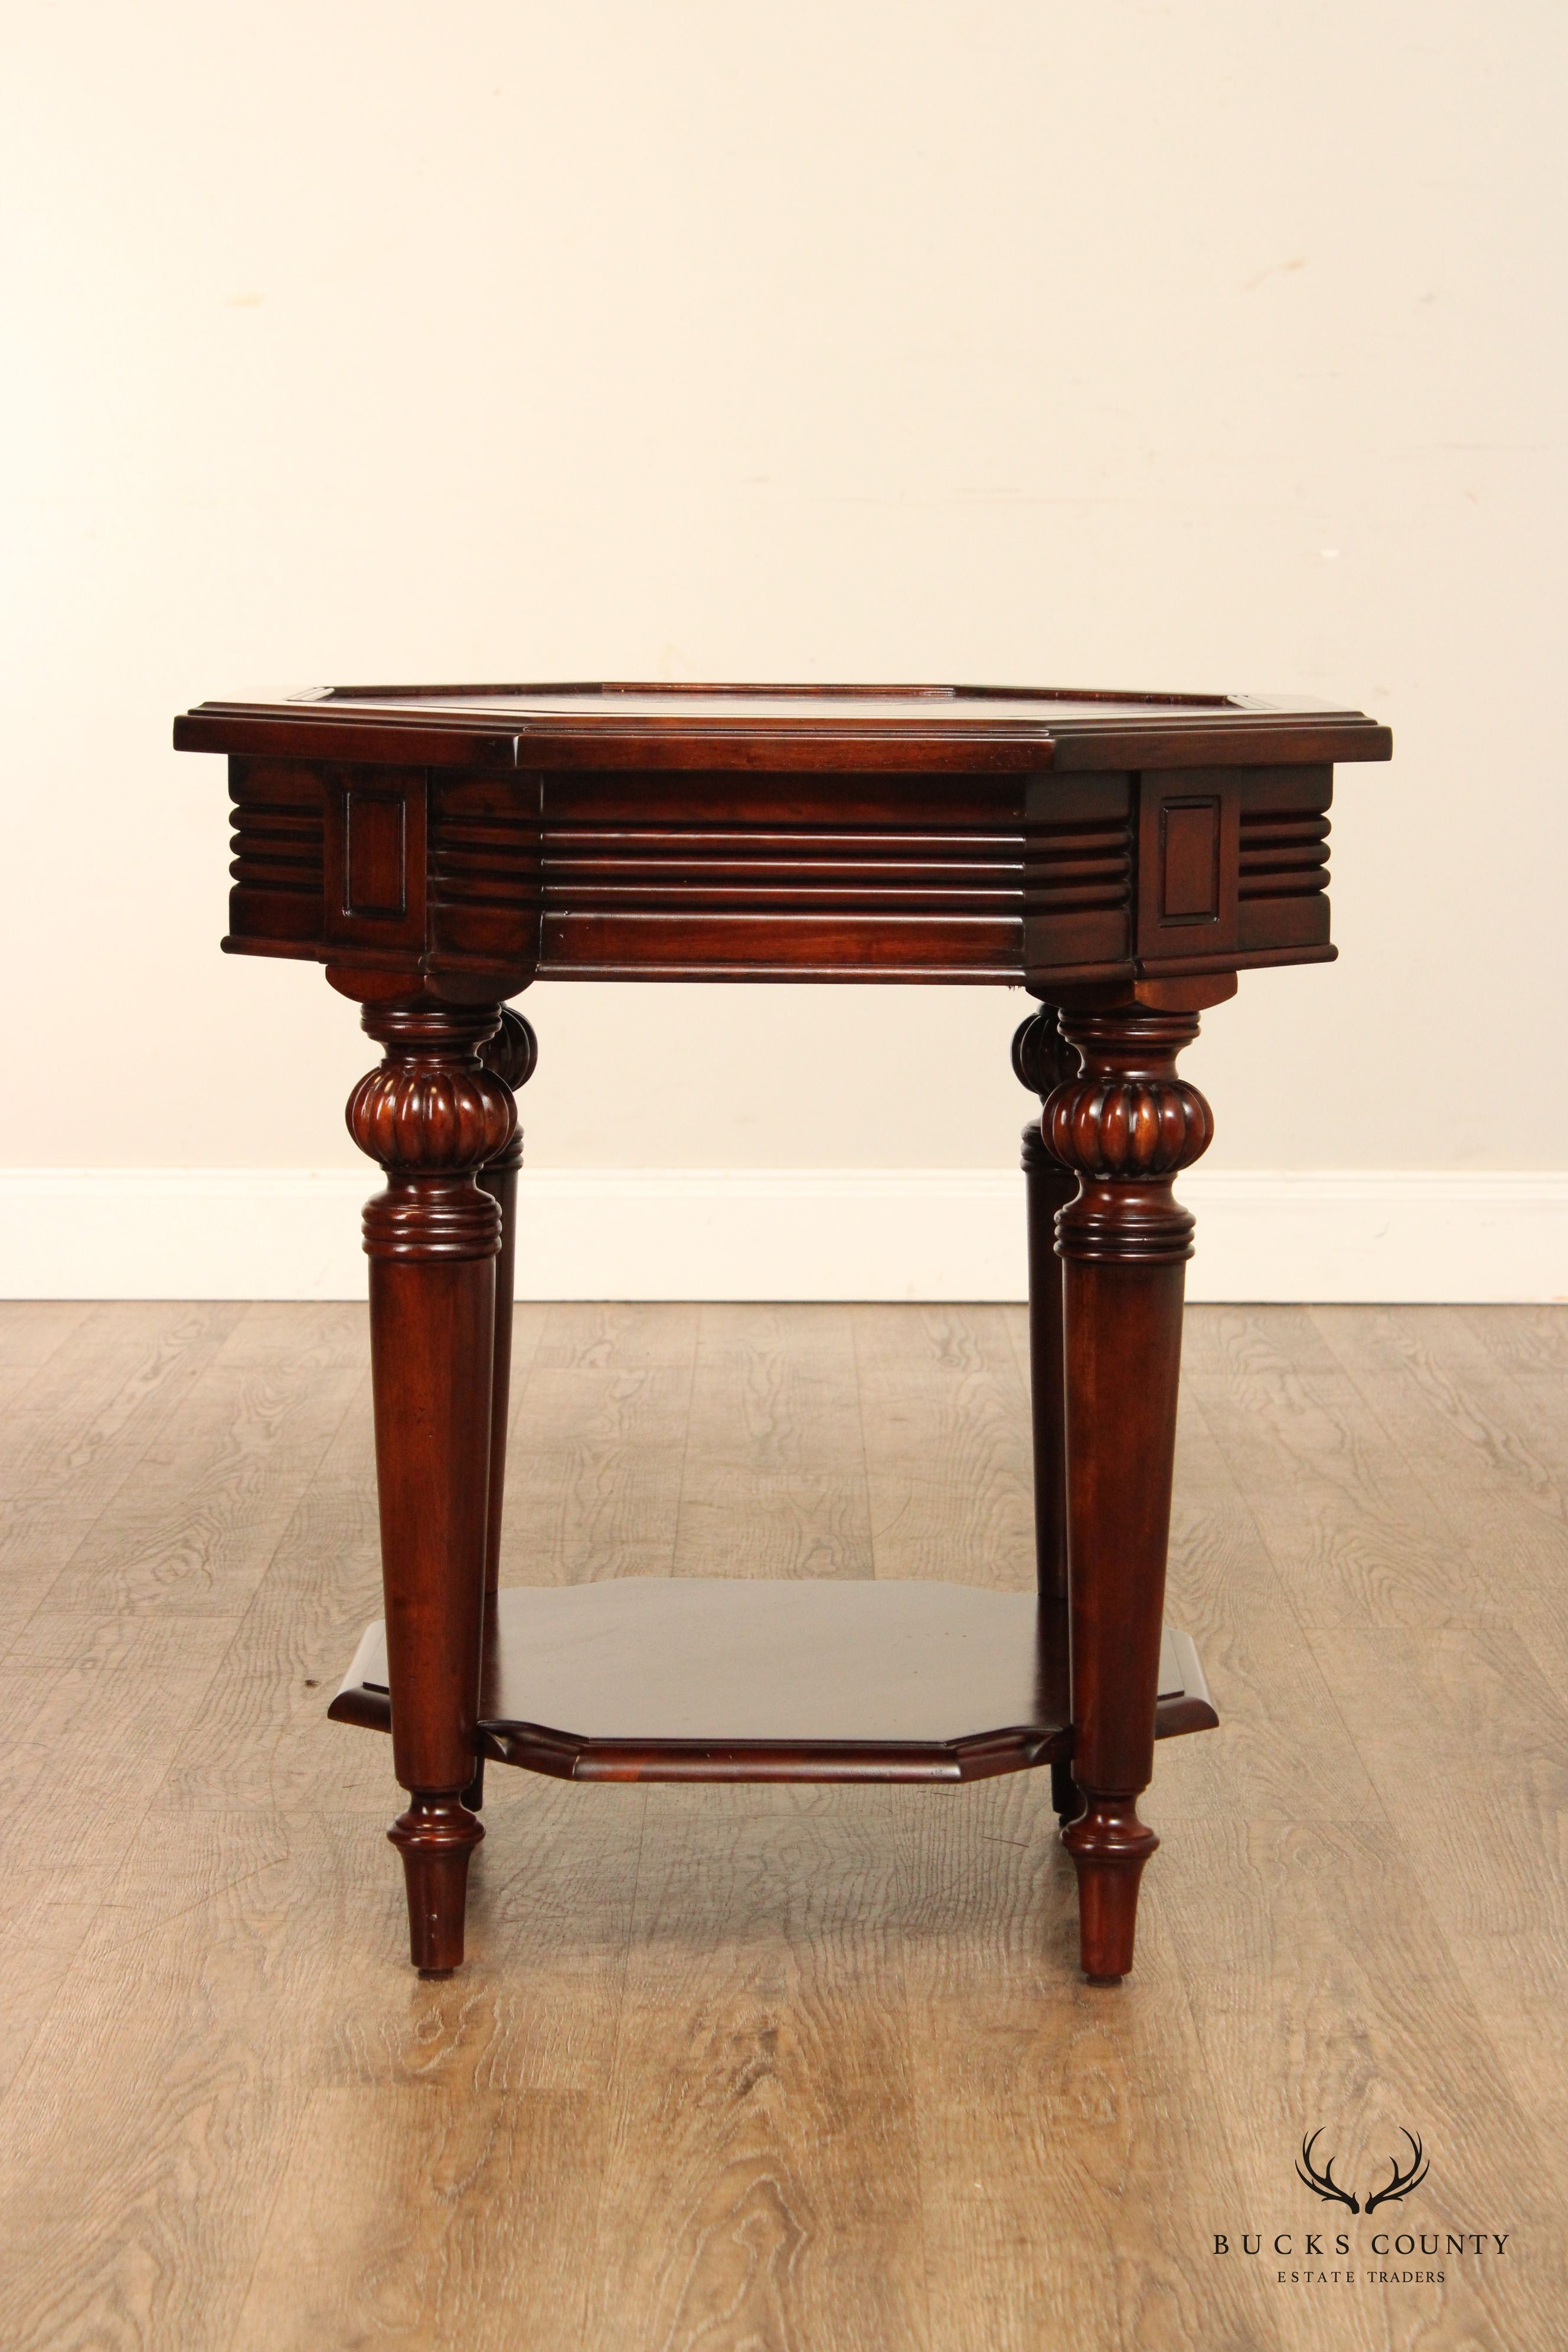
{"points": [[434, 1115], [938, 833], [1042, 1061], [768, 2066], [1124, 856], [647, 1679], [1124, 1126]]}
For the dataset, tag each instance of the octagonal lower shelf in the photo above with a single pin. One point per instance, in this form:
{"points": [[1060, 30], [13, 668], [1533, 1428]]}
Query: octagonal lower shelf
{"points": [[658, 1678]]}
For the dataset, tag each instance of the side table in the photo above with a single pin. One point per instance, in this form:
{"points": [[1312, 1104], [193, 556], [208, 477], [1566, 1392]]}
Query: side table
{"points": [[1120, 856]]}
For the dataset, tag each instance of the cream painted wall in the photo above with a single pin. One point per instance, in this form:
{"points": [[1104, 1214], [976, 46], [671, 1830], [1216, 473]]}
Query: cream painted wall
{"points": [[1195, 346]]}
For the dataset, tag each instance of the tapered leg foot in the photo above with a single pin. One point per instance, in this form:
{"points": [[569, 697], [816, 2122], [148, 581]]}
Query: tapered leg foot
{"points": [[474, 1794], [1108, 1845], [435, 1838]]}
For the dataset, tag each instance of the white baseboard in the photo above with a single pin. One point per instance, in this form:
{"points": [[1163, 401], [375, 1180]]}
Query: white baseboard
{"points": [[788, 1233]]}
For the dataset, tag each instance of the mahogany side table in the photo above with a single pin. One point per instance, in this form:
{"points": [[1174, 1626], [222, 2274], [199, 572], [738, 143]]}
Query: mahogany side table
{"points": [[1122, 857]]}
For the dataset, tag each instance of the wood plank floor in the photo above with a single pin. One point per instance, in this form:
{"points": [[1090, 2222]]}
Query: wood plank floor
{"points": [[752, 2069]]}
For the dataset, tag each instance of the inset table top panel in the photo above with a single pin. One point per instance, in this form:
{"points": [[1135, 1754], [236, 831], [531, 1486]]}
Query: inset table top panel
{"points": [[806, 705]]}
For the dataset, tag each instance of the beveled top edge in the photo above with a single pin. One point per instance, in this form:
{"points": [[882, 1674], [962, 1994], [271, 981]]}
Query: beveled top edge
{"points": [[901, 726]]}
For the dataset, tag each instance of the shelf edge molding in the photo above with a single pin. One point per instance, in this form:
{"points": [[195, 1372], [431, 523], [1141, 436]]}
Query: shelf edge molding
{"points": [[740, 1654]]}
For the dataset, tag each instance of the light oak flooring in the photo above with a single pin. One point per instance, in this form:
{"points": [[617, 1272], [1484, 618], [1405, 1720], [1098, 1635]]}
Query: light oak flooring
{"points": [[777, 2071]]}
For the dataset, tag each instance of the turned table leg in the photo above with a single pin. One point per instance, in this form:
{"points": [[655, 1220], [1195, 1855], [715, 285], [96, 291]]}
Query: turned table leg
{"points": [[1042, 1061], [1126, 1126], [431, 1115], [510, 1054]]}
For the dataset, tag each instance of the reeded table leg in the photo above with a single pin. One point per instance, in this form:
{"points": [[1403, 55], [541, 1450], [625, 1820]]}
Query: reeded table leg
{"points": [[511, 1054], [431, 1115], [1126, 1126], [1043, 1060]]}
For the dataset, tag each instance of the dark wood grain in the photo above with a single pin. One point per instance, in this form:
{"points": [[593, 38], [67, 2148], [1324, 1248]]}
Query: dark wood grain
{"points": [[933, 832], [714, 1678], [1125, 1127], [1123, 854], [783, 727], [1043, 1060], [432, 1114], [510, 1054]]}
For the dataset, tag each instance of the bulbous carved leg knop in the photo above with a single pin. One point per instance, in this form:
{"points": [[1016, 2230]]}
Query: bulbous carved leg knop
{"points": [[431, 1115]]}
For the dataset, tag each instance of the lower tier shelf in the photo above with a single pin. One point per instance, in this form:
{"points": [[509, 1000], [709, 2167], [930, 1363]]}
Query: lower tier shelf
{"points": [[658, 1678]]}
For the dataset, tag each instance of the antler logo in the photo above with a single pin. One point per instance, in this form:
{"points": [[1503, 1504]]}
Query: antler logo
{"points": [[1400, 2183], [1324, 2184]]}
